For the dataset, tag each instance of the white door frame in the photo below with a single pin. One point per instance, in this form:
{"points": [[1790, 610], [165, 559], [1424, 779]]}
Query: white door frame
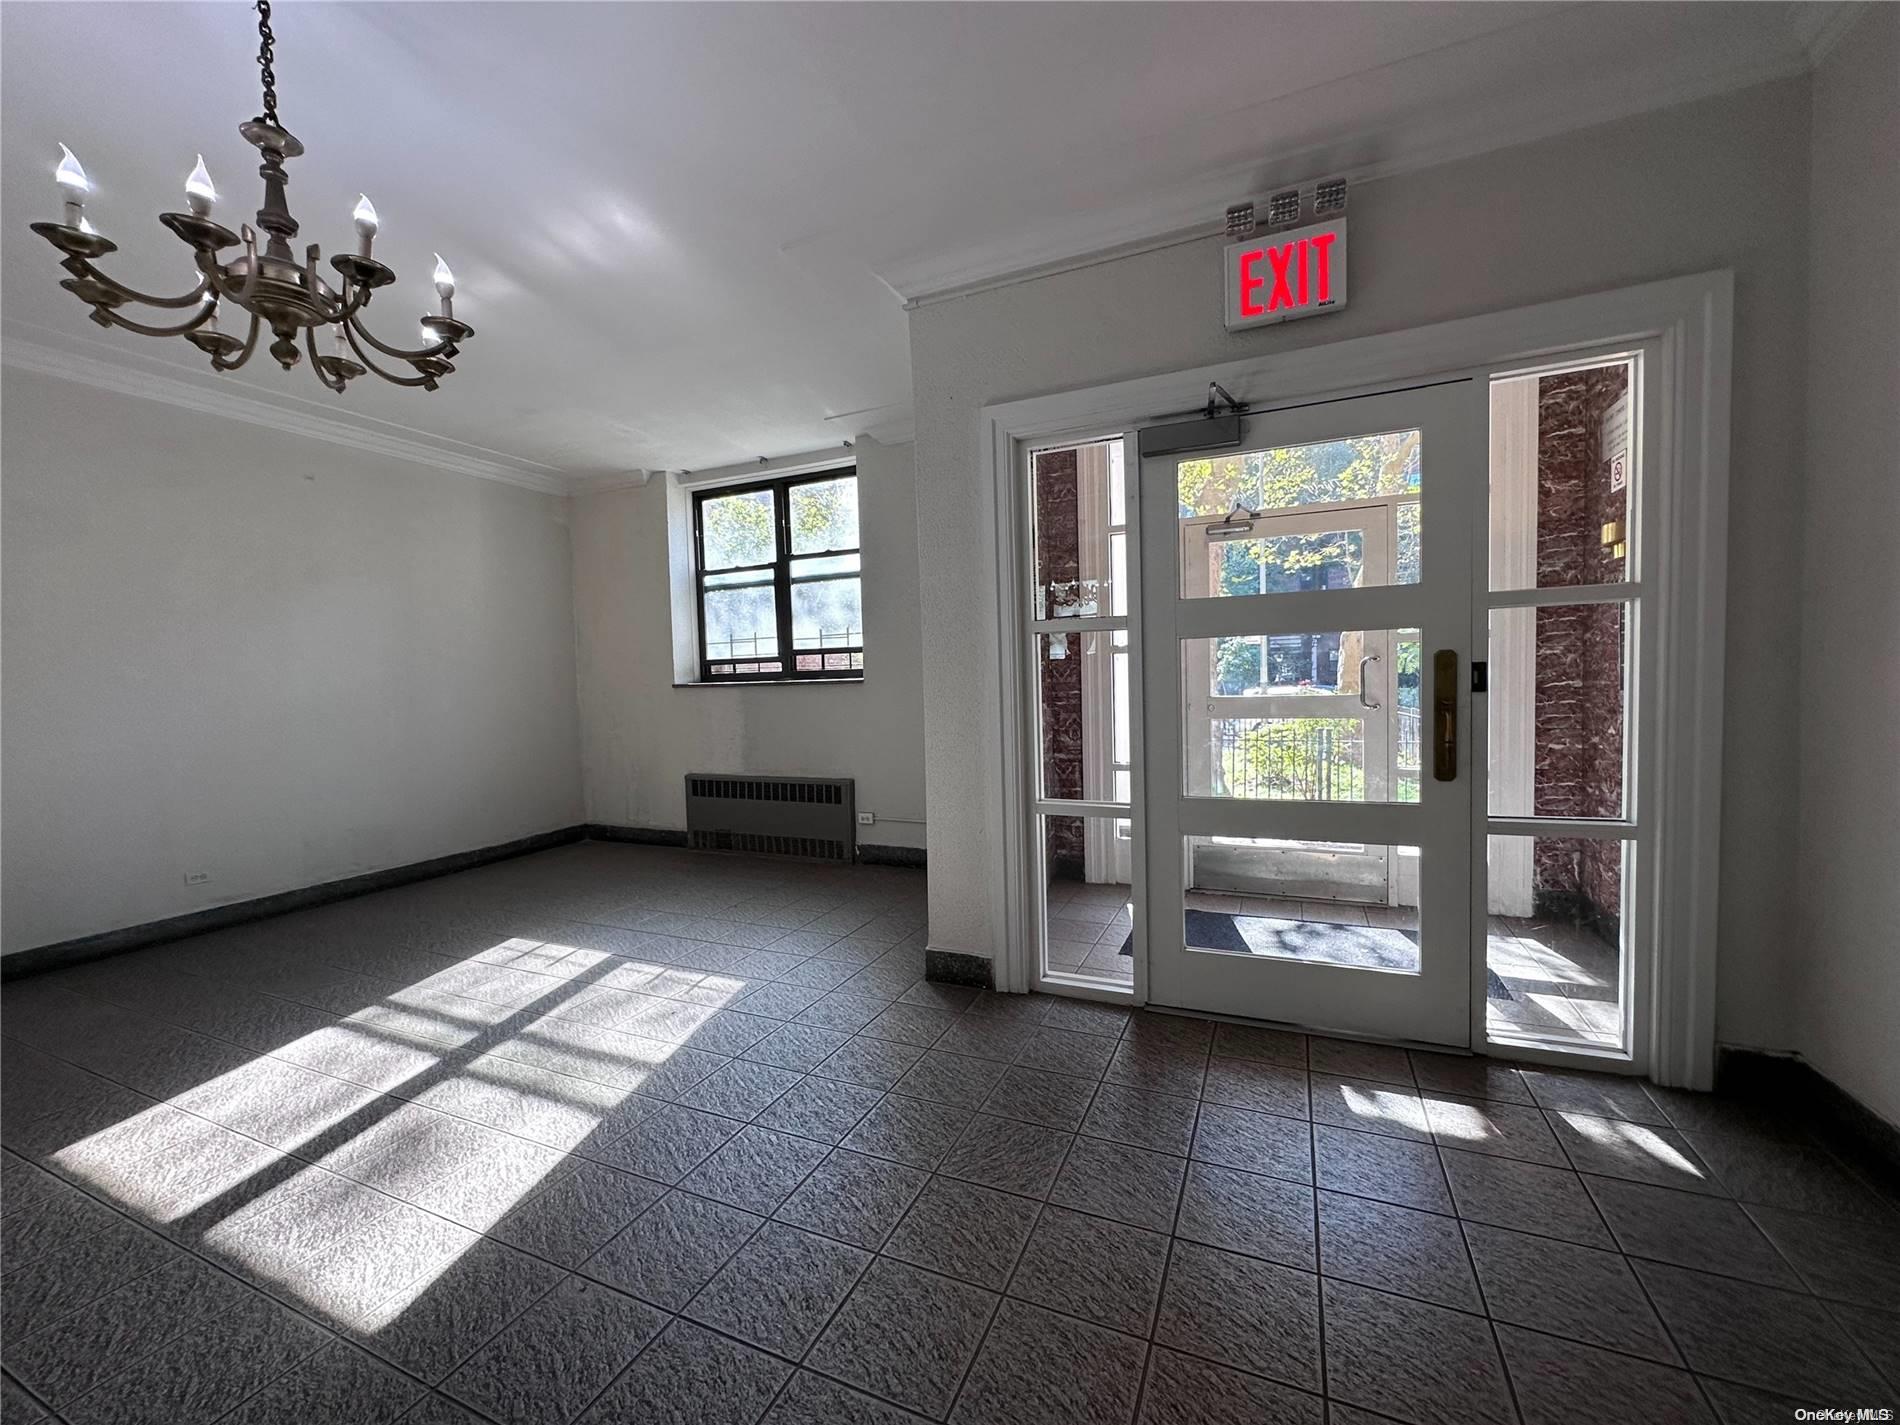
{"points": [[1690, 322]]}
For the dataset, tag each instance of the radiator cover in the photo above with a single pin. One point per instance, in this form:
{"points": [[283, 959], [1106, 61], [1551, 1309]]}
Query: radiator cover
{"points": [[812, 818]]}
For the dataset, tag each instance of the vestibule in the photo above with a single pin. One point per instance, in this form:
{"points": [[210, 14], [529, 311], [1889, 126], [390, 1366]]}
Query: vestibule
{"points": [[1507, 230]]}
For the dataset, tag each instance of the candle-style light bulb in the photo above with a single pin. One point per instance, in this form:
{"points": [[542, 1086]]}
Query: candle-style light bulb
{"points": [[86, 227], [444, 285], [211, 322], [364, 215], [69, 175], [199, 192], [73, 185]]}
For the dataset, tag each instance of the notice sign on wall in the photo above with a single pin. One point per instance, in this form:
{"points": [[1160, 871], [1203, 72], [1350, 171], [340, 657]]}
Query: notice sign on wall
{"points": [[1279, 276]]}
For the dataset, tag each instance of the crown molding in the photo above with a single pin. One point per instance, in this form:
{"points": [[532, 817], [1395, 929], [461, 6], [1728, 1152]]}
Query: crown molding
{"points": [[193, 395], [611, 480], [1196, 209]]}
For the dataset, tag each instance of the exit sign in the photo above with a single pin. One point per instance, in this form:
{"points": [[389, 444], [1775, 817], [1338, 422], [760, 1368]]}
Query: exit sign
{"points": [[1275, 278]]}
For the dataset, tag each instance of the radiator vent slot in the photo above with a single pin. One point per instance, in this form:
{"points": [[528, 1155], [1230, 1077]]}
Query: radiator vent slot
{"points": [[812, 818]]}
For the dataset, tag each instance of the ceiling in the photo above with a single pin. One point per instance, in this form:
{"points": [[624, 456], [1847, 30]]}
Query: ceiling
{"points": [[685, 233]]}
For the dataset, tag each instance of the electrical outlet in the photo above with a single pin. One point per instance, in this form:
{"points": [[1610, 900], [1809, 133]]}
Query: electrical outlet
{"points": [[197, 878], [866, 818]]}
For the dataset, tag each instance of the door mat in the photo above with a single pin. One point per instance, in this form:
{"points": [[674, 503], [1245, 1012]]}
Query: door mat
{"points": [[1373, 947]]}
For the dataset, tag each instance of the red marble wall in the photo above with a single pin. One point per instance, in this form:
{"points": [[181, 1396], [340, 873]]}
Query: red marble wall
{"points": [[1058, 562], [1580, 647]]}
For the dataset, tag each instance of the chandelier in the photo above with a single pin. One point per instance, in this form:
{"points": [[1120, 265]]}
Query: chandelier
{"points": [[278, 292]]}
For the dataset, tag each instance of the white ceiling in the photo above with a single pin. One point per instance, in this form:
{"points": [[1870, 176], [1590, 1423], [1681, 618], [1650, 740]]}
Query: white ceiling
{"points": [[683, 233]]}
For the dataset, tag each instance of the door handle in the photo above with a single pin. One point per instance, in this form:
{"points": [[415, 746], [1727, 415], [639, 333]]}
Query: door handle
{"points": [[1445, 715], [1364, 702]]}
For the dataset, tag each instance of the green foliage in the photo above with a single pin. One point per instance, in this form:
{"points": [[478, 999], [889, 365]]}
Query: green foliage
{"points": [[1295, 759], [1362, 467], [1237, 670]]}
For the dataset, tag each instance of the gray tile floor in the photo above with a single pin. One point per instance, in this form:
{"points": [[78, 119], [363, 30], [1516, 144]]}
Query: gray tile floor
{"points": [[616, 1134]]}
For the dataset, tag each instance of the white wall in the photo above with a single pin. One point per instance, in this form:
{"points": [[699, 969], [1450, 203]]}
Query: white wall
{"points": [[1721, 183], [258, 655], [640, 734], [1847, 933]]}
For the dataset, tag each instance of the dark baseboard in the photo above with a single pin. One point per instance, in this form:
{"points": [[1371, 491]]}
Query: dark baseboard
{"points": [[636, 835], [156, 932], [910, 857], [197, 922], [954, 967], [1791, 1083]]}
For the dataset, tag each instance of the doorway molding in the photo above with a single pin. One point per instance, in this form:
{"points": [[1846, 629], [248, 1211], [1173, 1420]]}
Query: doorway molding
{"points": [[1690, 321]]}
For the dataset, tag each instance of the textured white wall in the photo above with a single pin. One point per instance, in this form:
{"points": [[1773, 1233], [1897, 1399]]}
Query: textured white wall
{"points": [[1847, 933], [265, 657], [640, 734], [1721, 183]]}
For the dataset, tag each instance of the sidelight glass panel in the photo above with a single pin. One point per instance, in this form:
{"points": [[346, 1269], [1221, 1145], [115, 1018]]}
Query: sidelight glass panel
{"points": [[1554, 939], [738, 530], [1087, 915], [1562, 476], [1078, 506], [824, 515], [1083, 727], [1333, 903], [741, 623], [1259, 522], [1558, 710], [828, 613], [1308, 717]]}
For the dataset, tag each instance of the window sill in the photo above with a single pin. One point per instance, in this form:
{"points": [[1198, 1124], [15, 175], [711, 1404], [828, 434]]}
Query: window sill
{"points": [[769, 682]]}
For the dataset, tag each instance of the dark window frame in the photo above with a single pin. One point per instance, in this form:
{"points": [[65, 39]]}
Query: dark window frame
{"points": [[725, 670]]}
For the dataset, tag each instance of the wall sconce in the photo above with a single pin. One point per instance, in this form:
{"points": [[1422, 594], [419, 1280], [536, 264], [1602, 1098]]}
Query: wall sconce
{"points": [[1613, 539]]}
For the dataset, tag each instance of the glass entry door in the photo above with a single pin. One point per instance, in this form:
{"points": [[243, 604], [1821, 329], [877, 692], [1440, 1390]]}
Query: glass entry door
{"points": [[1307, 626]]}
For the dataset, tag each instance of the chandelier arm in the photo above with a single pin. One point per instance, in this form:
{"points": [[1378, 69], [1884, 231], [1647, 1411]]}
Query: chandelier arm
{"points": [[439, 349], [132, 294], [316, 361], [179, 330], [218, 363], [243, 292], [350, 329], [353, 300]]}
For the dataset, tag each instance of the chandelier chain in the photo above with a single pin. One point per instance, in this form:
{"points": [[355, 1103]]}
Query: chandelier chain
{"points": [[266, 52]]}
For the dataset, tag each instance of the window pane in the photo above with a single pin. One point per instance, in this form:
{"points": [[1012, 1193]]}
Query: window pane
{"points": [[1302, 759], [1406, 556], [1088, 925], [737, 529], [828, 614], [1563, 454], [741, 623], [825, 515], [1557, 710], [1073, 497], [1554, 939], [1329, 902], [1082, 692], [1242, 535], [825, 564], [1284, 563], [1310, 717]]}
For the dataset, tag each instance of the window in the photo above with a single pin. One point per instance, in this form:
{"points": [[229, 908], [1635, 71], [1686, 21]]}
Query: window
{"points": [[780, 588]]}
